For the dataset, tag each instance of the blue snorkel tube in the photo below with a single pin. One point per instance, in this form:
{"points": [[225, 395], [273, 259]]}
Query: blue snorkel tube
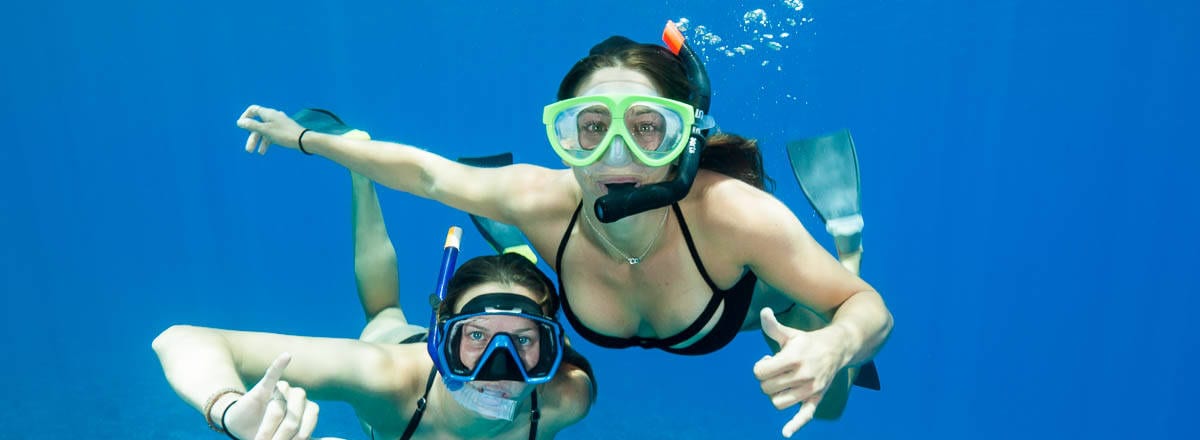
{"points": [[624, 203], [449, 260]]}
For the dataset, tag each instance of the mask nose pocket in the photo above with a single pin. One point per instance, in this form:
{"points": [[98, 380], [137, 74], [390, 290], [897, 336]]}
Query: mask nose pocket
{"points": [[500, 366], [618, 153]]}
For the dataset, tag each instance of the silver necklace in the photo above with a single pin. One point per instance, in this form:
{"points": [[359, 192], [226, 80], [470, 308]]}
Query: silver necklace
{"points": [[629, 259]]}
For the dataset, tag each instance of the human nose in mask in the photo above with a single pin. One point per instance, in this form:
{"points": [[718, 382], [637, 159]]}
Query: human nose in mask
{"points": [[618, 154]]}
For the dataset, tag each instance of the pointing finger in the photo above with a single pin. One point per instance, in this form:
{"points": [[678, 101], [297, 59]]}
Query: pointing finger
{"points": [[263, 389]]}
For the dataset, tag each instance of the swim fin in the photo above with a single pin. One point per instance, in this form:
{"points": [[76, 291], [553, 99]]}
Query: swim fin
{"points": [[503, 237], [324, 121], [827, 169]]}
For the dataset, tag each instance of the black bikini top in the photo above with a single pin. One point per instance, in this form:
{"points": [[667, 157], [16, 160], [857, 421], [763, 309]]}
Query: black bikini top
{"points": [[737, 304]]}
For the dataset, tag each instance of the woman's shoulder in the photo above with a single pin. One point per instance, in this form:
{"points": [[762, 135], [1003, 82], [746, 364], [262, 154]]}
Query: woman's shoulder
{"points": [[398, 378], [724, 200], [569, 397], [730, 214], [400, 371], [544, 193]]}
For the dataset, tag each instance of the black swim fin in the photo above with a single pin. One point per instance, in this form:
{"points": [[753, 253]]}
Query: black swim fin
{"points": [[868, 376], [503, 237]]}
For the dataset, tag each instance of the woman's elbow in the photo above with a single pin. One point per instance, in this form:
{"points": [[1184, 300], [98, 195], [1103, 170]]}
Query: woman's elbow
{"points": [[173, 336], [888, 323]]}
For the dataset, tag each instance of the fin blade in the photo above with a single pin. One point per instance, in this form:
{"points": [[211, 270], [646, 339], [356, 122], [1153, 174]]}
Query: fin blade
{"points": [[321, 120], [493, 161], [827, 169], [503, 237], [868, 377]]}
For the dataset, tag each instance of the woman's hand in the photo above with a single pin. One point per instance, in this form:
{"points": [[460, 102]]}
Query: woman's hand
{"points": [[273, 410], [802, 369], [268, 126]]}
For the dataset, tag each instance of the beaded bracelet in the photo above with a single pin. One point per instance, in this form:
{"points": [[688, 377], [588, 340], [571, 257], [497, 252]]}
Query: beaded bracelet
{"points": [[212, 400]]}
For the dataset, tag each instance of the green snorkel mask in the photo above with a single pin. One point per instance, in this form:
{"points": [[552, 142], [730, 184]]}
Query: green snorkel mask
{"points": [[657, 131], [583, 129]]}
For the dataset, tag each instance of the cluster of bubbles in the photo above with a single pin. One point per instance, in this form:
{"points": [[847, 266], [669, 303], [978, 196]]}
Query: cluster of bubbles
{"points": [[758, 31]]}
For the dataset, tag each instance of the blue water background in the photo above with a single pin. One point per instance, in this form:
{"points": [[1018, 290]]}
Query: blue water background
{"points": [[1026, 171]]}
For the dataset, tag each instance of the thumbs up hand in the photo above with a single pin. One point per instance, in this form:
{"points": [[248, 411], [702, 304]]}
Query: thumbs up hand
{"points": [[802, 369]]}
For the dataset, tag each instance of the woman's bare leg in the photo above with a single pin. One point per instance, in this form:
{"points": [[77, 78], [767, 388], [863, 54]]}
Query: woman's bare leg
{"points": [[375, 270]]}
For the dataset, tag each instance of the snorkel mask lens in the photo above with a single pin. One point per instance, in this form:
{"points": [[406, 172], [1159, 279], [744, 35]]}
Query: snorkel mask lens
{"points": [[496, 336], [500, 336], [654, 129]]}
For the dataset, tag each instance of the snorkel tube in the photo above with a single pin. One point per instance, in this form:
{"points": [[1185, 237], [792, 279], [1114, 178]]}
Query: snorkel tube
{"points": [[449, 259], [622, 203]]}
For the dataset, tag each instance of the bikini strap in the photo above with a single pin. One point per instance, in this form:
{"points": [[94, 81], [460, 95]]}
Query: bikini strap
{"points": [[534, 416], [416, 417], [562, 244], [687, 236]]}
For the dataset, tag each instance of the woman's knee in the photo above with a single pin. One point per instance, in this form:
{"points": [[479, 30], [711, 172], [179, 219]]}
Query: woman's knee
{"points": [[388, 324]]}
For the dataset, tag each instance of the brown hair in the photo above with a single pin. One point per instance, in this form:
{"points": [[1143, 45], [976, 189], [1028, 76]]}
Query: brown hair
{"points": [[725, 153], [508, 269]]}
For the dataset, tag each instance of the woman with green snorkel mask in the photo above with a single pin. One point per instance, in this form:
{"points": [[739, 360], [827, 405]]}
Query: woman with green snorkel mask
{"points": [[679, 247]]}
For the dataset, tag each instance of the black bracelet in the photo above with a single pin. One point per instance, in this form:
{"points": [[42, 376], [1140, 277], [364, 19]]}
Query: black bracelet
{"points": [[301, 142], [225, 428]]}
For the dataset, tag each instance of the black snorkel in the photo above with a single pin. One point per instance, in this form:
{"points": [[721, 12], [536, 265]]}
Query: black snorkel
{"points": [[619, 202]]}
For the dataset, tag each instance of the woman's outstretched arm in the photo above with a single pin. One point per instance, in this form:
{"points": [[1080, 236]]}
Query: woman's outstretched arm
{"points": [[199, 362], [497, 193]]}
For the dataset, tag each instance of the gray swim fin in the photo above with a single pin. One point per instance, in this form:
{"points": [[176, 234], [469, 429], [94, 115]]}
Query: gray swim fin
{"points": [[827, 169], [503, 237], [323, 121]]}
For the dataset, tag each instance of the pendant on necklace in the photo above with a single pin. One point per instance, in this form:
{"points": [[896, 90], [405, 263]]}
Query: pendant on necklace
{"points": [[634, 260]]}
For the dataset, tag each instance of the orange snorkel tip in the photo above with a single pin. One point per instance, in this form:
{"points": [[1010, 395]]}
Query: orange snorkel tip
{"points": [[672, 37]]}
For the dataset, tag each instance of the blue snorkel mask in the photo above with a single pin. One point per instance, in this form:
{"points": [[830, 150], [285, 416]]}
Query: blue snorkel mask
{"points": [[623, 202], [496, 336]]}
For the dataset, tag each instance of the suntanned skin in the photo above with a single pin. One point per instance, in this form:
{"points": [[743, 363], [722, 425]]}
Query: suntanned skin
{"points": [[380, 379], [840, 321]]}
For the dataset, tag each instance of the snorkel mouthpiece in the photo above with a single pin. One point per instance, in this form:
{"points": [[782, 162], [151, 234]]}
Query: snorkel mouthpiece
{"points": [[449, 258], [624, 202]]}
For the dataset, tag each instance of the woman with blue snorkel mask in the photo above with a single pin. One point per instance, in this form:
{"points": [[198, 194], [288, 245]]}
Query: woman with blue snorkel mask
{"points": [[679, 246], [505, 372], [492, 365]]}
